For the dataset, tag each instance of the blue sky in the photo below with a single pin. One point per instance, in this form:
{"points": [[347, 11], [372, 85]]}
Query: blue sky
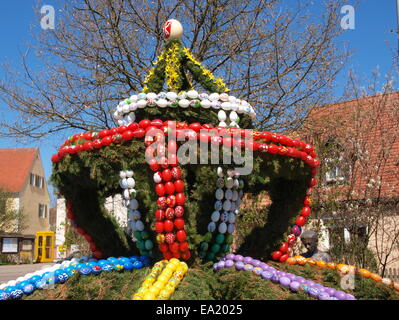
{"points": [[374, 21]]}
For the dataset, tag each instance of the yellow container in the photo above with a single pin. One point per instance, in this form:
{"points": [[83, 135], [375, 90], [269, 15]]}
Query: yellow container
{"points": [[44, 246]]}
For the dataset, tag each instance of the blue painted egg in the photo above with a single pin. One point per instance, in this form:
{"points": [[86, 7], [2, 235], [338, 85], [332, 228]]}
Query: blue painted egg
{"points": [[128, 266], [92, 264], [134, 258], [123, 260], [3, 295], [108, 267], [34, 279], [102, 262], [62, 277], [81, 265], [70, 271], [28, 289], [22, 284], [41, 284], [137, 265], [16, 293], [96, 270], [85, 271]]}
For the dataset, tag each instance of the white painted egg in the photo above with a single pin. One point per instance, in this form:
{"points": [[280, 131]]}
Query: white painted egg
{"points": [[151, 96], [231, 228], [126, 108], [122, 174], [215, 216], [133, 98], [218, 205], [162, 103], [214, 96], [172, 29], [139, 225], [232, 217], [171, 96], [224, 216], [123, 183], [129, 173], [235, 195], [226, 106], [192, 94], [222, 124], [222, 115], [131, 183], [133, 106], [233, 116], [229, 182], [211, 226], [184, 103], [233, 206], [222, 228], [141, 103], [219, 194], [205, 103], [228, 194], [157, 177], [226, 205], [126, 194], [224, 97], [219, 172], [134, 204]]}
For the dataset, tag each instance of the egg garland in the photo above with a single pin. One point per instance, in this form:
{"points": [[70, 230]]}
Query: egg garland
{"points": [[124, 112], [92, 245], [223, 218], [135, 224], [170, 224], [162, 281], [343, 269], [288, 280], [61, 272], [89, 142]]}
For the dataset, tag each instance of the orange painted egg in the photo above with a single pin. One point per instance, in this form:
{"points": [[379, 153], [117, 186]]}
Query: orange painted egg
{"points": [[291, 261]]}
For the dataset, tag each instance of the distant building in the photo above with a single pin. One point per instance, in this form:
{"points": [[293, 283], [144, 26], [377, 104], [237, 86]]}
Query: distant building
{"points": [[22, 179]]}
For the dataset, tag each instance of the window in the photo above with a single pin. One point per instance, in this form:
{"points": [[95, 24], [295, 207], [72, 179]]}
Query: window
{"points": [[42, 211], [27, 245], [335, 173], [10, 245], [36, 181], [32, 179]]}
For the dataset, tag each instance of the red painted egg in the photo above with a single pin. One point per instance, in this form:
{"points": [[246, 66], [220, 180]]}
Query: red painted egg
{"points": [[181, 235], [180, 199], [168, 225], [176, 173], [169, 213], [166, 175], [159, 227], [160, 189], [169, 187], [179, 223], [179, 185], [160, 215], [179, 211]]}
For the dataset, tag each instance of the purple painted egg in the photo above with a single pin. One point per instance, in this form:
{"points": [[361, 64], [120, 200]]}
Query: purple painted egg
{"points": [[331, 291], [340, 295], [230, 256], [263, 265], [313, 292], [238, 257], [266, 275], [324, 296], [229, 263], [275, 278], [248, 267], [350, 297], [215, 266], [221, 265], [292, 277], [240, 265], [285, 281], [248, 260], [256, 263], [294, 285]]}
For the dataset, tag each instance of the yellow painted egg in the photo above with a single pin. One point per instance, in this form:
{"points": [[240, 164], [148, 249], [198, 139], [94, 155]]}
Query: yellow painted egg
{"points": [[154, 290], [137, 297], [149, 296]]}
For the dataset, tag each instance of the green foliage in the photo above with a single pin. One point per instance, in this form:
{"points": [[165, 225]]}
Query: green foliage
{"points": [[202, 283]]}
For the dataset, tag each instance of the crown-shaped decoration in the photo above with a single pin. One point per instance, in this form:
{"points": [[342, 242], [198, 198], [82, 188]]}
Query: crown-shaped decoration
{"points": [[171, 70]]}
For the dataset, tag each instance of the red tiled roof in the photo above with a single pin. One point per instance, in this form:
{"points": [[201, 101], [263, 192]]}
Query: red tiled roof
{"points": [[378, 122], [15, 166]]}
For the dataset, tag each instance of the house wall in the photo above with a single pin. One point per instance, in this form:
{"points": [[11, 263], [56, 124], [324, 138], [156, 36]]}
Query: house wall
{"points": [[31, 197]]}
